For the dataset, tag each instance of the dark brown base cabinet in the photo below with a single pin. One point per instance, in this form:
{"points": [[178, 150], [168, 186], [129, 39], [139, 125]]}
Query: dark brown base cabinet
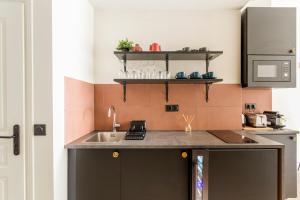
{"points": [[133, 175], [93, 175], [166, 174], [154, 175]]}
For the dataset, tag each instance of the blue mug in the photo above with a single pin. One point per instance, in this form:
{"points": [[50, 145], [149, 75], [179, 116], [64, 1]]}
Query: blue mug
{"points": [[208, 75], [195, 75], [180, 75]]}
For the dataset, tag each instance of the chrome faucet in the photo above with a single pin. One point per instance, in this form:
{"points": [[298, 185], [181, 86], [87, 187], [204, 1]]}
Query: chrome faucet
{"points": [[115, 124]]}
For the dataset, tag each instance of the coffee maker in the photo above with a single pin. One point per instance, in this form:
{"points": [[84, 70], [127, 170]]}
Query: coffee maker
{"points": [[275, 119]]}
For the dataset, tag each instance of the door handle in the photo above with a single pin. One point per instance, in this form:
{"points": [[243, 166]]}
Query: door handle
{"points": [[292, 51], [16, 138], [291, 138]]}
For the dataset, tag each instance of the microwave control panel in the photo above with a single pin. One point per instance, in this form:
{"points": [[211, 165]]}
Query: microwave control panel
{"points": [[286, 71]]}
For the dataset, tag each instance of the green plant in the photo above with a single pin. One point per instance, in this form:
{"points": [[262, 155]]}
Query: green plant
{"points": [[125, 45]]}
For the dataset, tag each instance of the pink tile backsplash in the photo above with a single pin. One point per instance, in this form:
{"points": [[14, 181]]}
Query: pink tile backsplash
{"points": [[79, 109], [223, 111], [87, 105]]}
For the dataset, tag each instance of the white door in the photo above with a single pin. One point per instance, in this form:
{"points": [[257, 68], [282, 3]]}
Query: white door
{"points": [[12, 167]]}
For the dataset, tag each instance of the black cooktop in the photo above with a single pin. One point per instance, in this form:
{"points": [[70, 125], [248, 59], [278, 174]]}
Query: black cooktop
{"points": [[231, 137]]}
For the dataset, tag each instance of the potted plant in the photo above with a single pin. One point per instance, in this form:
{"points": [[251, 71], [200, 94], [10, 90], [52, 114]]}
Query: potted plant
{"points": [[125, 45]]}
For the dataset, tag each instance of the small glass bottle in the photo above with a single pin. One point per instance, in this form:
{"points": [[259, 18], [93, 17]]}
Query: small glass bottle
{"points": [[188, 128]]}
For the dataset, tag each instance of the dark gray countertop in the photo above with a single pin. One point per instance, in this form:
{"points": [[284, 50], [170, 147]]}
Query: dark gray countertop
{"points": [[174, 139]]}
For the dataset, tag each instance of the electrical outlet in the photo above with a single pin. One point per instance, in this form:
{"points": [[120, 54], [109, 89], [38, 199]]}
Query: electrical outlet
{"points": [[172, 108], [250, 106]]}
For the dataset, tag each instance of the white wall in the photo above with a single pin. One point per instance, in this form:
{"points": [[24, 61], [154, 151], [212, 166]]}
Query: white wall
{"points": [[73, 57], [287, 100], [217, 30], [73, 38], [258, 3]]}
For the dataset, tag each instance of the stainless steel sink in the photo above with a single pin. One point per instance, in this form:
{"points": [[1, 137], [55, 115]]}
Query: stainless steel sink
{"points": [[106, 137]]}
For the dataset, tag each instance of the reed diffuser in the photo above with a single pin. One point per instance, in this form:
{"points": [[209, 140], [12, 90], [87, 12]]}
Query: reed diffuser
{"points": [[188, 120]]}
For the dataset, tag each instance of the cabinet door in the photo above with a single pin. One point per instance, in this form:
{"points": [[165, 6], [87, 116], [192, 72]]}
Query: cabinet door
{"points": [[290, 162], [93, 175], [243, 174], [154, 175], [271, 30]]}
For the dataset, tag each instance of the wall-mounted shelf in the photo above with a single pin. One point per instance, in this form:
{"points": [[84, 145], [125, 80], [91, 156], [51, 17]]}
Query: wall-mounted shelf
{"points": [[171, 81], [171, 55], [166, 56], [166, 82]]}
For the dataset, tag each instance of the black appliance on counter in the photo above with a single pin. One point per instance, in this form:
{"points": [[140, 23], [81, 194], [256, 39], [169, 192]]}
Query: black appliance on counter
{"points": [[256, 120], [137, 130], [275, 119], [269, 47]]}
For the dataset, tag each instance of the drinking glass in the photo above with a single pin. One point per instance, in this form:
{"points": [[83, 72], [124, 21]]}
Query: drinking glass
{"points": [[168, 75], [165, 75], [159, 75], [147, 73], [141, 74], [129, 74], [121, 74], [134, 74], [153, 74]]}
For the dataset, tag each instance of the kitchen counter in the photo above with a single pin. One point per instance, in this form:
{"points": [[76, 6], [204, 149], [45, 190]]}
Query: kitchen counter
{"points": [[175, 139]]}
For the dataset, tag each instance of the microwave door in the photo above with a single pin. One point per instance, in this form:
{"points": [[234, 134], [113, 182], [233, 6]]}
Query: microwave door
{"points": [[200, 175], [271, 71], [266, 70]]}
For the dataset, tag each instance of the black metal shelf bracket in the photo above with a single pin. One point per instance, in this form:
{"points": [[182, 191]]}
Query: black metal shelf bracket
{"points": [[167, 62], [207, 85], [167, 91], [124, 91], [207, 62], [125, 62]]}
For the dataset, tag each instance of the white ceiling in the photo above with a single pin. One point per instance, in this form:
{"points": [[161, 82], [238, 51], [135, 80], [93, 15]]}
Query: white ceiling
{"points": [[168, 4]]}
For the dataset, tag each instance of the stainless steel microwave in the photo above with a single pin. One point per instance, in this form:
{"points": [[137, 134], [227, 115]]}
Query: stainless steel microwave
{"points": [[269, 71]]}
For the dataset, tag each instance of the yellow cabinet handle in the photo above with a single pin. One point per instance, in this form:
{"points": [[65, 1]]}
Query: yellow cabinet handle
{"points": [[184, 154], [115, 154]]}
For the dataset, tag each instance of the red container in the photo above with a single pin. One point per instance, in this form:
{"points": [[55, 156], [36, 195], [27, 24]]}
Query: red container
{"points": [[137, 48], [154, 47]]}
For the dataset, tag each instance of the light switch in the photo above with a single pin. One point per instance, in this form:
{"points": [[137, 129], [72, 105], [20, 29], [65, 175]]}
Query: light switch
{"points": [[40, 129]]}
